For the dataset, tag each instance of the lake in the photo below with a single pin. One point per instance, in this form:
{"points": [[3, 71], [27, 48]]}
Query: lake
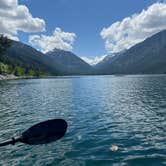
{"points": [[101, 111]]}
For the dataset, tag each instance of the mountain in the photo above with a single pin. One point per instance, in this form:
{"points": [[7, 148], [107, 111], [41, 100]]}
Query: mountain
{"points": [[102, 66], [68, 63], [28, 59], [147, 57], [21, 59]]}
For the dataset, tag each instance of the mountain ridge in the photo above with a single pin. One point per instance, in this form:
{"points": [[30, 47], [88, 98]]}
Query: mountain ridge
{"points": [[68, 63], [147, 57], [26, 60]]}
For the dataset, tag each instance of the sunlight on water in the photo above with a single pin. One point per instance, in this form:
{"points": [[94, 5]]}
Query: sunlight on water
{"points": [[102, 111]]}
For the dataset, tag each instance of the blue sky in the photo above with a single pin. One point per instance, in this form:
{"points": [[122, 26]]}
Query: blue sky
{"points": [[85, 19]]}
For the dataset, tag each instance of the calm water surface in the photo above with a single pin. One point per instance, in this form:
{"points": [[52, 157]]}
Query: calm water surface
{"points": [[127, 111]]}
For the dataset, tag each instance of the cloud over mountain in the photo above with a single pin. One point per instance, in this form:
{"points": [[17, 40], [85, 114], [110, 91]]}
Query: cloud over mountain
{"points": [[136, 28], [94, 60], [59, 39], [15, 17]]}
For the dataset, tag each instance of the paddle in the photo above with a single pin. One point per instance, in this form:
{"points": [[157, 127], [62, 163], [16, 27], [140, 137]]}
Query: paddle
{"points": [[41, 133]]}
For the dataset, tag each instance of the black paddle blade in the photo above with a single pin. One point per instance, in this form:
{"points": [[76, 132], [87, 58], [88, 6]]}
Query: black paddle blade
{"points": [[45, 132]]}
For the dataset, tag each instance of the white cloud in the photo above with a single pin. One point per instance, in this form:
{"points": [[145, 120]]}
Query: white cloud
{"points": [[132, 30], [15, 17], [94, 60], [59, 39]]}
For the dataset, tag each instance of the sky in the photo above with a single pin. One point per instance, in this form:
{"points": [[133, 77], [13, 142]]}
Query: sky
{"points": [[89, 28]]}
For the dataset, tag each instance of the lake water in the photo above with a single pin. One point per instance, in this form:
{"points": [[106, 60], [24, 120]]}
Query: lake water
{"points": [[127, 111]]}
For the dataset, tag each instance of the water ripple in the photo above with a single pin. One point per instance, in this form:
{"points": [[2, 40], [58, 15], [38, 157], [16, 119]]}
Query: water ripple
{"points": [[101, 111]]}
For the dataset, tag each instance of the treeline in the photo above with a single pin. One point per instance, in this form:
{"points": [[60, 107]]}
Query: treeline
{"points": [[9, 65], [16, 68]]}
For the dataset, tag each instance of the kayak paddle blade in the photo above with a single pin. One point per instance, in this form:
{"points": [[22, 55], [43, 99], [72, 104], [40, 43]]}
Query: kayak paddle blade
{"points": [[44, 132]]}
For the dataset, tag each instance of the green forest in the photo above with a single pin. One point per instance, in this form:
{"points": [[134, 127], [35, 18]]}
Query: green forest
{"points": [[9, 65]]}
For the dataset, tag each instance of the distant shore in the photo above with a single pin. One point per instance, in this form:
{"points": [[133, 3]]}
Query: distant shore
{"points": [[13, 77], [8, 77]]}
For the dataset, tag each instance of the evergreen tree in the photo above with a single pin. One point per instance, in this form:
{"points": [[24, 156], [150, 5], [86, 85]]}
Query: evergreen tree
{"points": [[4, 43]]}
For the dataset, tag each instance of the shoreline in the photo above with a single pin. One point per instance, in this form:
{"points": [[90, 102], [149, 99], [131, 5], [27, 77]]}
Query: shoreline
{"points": [[8, 77], [13, 77]]}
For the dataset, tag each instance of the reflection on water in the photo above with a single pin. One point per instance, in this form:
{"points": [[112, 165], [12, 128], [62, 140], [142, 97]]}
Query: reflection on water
{"points": [[102, 111]]}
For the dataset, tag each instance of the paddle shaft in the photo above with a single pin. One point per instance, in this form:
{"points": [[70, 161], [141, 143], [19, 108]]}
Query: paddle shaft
{"points": [[12, 141]]}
